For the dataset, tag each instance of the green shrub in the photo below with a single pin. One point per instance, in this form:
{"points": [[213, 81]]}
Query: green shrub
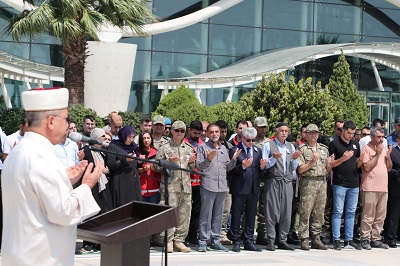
{"points": [[10, 120], [175, 99], [130, 118], [77, 112]]}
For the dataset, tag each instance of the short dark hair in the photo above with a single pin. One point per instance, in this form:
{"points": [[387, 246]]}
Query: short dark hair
{"points": [[242, 122], [376, 121], [303, 126], [70, 121], [366, 127], [90, 117], [323, 139], [222, 124], [339, 121], [349, 125], [212, 125], [144, 120], [196, 124], [24, 121]]}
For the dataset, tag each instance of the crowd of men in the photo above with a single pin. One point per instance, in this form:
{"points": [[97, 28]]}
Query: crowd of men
{"points": [[252, 178]]}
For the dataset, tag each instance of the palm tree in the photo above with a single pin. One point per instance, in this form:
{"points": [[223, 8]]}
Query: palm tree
{"points": [[74, 22]]}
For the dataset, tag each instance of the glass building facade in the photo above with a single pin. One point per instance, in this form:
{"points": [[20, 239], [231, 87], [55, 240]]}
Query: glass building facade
{"points": [[248, 28]]}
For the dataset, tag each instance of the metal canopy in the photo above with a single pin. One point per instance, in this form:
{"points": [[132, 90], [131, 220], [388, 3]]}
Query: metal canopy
{"points": [[253, 68], [16, 68]]}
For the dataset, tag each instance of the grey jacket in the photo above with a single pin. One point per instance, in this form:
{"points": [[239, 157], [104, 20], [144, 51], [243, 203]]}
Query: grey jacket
{"points": [[215, 171]]}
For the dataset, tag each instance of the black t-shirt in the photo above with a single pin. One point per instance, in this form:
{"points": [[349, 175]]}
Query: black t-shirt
{"points": [[346, 174]]}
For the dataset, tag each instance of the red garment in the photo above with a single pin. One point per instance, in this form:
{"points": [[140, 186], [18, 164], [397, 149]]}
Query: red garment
{"points": [[150, 180], [195, 179]]}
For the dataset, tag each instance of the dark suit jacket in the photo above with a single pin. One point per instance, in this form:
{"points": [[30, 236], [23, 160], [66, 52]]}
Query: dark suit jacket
{"points": [[245, 181]]}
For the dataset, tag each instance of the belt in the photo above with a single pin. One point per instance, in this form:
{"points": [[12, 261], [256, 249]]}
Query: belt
{"points": [[318, 178], [150, 190]]}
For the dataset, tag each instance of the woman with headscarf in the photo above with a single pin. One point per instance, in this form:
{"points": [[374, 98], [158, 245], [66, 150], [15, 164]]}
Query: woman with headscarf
{"points": [[101, 191], [124, 177]]}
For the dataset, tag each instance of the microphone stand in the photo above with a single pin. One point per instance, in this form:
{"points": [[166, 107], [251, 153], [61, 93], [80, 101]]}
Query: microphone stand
{"points": [[167, 167]]}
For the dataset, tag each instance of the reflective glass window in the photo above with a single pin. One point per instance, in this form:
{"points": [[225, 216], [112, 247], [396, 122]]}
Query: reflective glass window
{"points": [[217, 62], [234, 41], [285, 14], [337, 18], [17, 49], [338, 2], [163, 8], [143, 43], [235, 14], [187, 40], [383, 22], [331, 38], [379, 3], [275, 39], [176, 65], [141, 71]]}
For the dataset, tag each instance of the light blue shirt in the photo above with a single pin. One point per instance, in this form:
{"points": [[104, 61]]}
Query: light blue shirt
{"points": [[67, 153], [266, 150]]}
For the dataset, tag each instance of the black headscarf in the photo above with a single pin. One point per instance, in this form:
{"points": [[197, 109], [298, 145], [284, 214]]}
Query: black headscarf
{"points": [[123, 134]]}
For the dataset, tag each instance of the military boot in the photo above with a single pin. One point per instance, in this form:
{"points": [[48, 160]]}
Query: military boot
{"points": [[305, 244], [316, 243], [179, 246]]}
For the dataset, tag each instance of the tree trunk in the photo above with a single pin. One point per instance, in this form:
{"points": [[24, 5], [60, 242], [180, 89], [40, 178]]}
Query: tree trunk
{"points": [[74, 77]]}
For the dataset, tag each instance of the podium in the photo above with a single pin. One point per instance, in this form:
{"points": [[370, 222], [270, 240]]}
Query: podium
{"points": [[124, 233]]}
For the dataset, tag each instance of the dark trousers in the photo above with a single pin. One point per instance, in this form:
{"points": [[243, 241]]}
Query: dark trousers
{"points": [[195, 214], [392, 218], [243, 204]]}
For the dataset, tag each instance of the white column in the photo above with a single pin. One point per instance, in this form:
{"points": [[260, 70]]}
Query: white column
{"points": [[7, 100], [377, 77], [231, 91]]}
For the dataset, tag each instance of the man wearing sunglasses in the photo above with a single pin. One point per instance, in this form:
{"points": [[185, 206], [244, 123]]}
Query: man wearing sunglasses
{"points": [[245, 188], [282, 162], [180, 192]]}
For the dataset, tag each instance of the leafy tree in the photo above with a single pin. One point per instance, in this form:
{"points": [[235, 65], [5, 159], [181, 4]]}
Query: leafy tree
{"points": [[10, 119], [231, 112], [75, 21], [182, 95], [344, 92], [295, 104], [77, 112], [130, 118]]}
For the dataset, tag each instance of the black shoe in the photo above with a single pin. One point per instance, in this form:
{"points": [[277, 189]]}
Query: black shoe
{"points": [[336, 245], [293, 241], [365, 244], [270, 247], [236, 247], [392, 244], [378, 244], [78, 252], [250, 246], [285, 246], [261, 240]]}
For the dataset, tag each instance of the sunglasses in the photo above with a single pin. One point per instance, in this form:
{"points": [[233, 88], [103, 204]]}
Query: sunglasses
{"points": [[249, 140], [179, 130], [365, 134]]}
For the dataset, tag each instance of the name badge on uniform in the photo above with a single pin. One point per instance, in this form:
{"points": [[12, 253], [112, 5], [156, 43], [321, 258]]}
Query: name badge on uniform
{"points": [[287, 151], [322, 152], [354, 146]]}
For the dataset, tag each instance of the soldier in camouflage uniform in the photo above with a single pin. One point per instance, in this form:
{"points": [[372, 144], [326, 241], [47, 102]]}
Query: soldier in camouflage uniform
{"points": [[158, 128], [180, 191], [314, 165], [260, 124]]}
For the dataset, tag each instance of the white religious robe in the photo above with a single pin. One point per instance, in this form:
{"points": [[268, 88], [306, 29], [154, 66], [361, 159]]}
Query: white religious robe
{"points": [[41, 209]]}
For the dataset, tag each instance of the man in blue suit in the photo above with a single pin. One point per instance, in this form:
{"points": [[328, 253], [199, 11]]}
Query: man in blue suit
{"points": [[245, 188]]}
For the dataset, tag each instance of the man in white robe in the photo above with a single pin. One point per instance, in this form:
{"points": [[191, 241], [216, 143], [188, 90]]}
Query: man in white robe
{"points": [[41, 209]]}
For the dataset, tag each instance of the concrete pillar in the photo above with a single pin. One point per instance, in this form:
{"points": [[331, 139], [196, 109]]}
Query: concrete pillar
{"points": [[108, 76]]}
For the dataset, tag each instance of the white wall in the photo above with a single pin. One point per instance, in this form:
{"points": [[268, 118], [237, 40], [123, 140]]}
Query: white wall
{"points": [[108, 76]]}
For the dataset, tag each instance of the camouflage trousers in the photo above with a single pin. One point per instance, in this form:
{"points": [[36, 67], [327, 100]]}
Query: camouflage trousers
{"points": [[183, 203], [311, 206]]}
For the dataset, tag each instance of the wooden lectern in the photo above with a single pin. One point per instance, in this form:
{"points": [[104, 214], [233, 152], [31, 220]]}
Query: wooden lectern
{"points": [[124, 233]]}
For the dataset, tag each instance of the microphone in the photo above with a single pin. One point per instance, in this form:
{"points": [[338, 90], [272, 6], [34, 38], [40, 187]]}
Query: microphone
{"points": [[77, 137]]}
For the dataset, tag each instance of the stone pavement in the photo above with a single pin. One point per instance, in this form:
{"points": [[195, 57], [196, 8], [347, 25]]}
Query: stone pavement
{"points": [[278, 258]]}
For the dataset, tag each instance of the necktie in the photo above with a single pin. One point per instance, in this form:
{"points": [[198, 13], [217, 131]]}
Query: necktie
{"points": [[248, 152]]}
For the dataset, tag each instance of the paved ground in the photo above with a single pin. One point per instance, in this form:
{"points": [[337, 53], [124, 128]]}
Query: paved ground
{"points": [[278, 258]]}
